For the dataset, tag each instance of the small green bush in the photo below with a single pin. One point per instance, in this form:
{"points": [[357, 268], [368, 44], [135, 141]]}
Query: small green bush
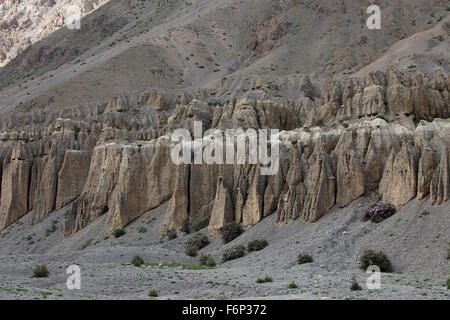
{"points": [[207, 260], [198, 241], [233, 253], [304, 258], [292, 285], [153, 293], [137, 261], [257, 245], [372, 258], [231, 232], [171, 235], [448, 283], [40, 271], [191, 251], [118, 233], [142, 230], [201, 225], [202, 259], [264, 280], [355, 285], [210, 262]]}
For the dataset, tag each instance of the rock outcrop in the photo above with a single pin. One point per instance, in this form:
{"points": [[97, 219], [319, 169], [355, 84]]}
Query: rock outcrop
{"points": [[114, 158], [222, 213], [399, 183], [25, 22]]}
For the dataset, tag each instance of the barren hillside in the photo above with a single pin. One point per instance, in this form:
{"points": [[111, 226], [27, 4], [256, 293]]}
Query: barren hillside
{"points": [[361, 148]]}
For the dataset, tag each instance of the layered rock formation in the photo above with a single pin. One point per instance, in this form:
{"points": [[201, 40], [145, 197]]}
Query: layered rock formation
{"points": [[24, 22], [114, 158]]}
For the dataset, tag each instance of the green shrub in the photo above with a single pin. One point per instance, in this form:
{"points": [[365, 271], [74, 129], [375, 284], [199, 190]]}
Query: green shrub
{"points": [[153, 293], [425, 213], [172, 234], [257, 245], [198, 241], [264, 280], [201, 225], [207, 260], [86, 244], [202, 259], [142, 230], [304, 258], [231, 231], [118, 233], [355, 285], [292, 285], [40, 271], [372, 258], [233, 253], [137, 261], [210, 262], [448, 283], [191, 251]]}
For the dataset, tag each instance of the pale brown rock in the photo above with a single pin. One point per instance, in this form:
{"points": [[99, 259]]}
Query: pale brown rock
{"points": [[321, 187], [102, 178], [253, 209], [440, 184], [290, 205], [399, 183], [425, 173], [222, 212], [72, 176], [44, 201], [178, 211], [14, 194], [157, 101], [350, 178]]}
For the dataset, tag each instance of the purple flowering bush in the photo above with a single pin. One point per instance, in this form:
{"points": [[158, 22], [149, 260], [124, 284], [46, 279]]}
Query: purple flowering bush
{"points": [[304, 258], [379, 211]]}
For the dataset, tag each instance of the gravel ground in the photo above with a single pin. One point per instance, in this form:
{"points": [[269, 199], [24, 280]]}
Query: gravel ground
{"points": [[416, 239]]}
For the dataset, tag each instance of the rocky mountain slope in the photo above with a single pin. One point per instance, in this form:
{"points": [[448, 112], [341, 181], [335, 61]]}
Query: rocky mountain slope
{"points": [[24, 22], [230, 44], [87, 119]]}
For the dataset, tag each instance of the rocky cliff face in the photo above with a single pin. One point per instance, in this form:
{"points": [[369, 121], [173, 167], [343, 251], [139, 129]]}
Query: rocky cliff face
{"points": [[24, 22], [388, 132]]}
